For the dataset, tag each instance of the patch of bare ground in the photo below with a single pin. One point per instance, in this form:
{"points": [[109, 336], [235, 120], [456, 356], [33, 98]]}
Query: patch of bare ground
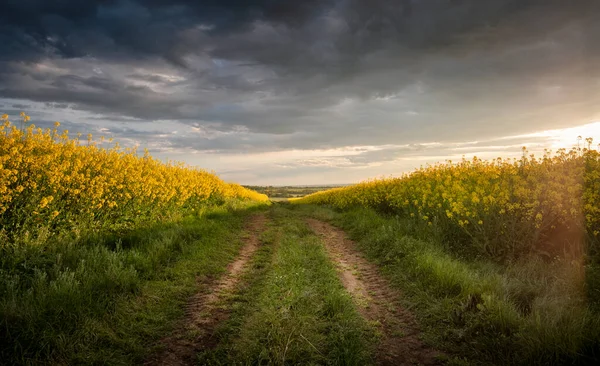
{"points": [[377, 302], [205, 310]]}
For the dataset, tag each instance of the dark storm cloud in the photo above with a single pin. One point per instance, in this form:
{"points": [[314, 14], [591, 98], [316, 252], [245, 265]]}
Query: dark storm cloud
{"points": [[173, 29], [309, 74], [132, 29]]}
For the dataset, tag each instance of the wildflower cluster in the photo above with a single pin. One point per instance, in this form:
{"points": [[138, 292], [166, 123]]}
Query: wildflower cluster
{"points": [[49, 180], [502, 208]]}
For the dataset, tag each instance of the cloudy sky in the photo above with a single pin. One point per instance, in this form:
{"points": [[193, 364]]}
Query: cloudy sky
{"points": [[307, 92]]}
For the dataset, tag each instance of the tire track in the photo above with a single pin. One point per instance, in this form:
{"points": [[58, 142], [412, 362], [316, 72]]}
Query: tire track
{"points": [[205, 311], [377, 302]]}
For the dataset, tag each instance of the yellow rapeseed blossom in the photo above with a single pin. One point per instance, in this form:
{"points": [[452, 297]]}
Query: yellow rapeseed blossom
{"points": [[516, 203], [47, 172]]}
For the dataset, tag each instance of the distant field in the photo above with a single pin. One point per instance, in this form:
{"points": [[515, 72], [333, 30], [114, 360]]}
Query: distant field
{"points": [[284, 192]]}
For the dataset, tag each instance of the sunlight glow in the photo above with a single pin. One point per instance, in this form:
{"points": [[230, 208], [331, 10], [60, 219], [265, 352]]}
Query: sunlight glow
{"points": [[568, 137]]}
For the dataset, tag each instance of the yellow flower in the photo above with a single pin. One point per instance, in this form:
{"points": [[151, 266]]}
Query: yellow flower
{"points": [[44, 202]]}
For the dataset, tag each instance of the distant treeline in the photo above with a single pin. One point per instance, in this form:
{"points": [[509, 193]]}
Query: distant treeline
{"points": [[289, 191]]}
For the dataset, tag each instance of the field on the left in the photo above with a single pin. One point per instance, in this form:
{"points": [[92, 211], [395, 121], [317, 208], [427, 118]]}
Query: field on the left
{"points": [[100, 246]]}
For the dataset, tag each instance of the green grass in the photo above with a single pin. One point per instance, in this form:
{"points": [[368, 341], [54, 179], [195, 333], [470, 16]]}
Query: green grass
{"points": [[293, 309], [108, 299], [527, 312]]}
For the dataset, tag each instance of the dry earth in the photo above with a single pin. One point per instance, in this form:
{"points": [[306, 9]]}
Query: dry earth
{"points": [[377, 302], [205, 312]]}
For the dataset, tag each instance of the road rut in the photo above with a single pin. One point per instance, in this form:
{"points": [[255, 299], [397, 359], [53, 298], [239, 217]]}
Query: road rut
{"points": [[205, 312], [376, 301]]}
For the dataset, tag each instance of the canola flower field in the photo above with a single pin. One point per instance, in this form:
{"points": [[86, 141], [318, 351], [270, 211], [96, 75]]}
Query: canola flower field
{"points": [[503, 208], [98, 240], [101, 246], [501, 258], [51, 182]]}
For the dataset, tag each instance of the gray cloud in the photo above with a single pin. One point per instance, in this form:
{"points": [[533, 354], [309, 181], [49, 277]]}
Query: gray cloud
{"points": [[263, 75], [21, 106]]}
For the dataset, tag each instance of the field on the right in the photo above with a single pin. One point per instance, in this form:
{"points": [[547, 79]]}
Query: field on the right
{"points": [[500, 259]]}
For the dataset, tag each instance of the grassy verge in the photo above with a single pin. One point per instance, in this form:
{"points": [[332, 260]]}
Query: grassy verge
{"points": [[293, 309], [527, 312], [106, 300]]}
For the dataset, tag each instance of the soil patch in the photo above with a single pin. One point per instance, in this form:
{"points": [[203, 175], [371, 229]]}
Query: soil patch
{"points": [[206, 309], [377, 302]]}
